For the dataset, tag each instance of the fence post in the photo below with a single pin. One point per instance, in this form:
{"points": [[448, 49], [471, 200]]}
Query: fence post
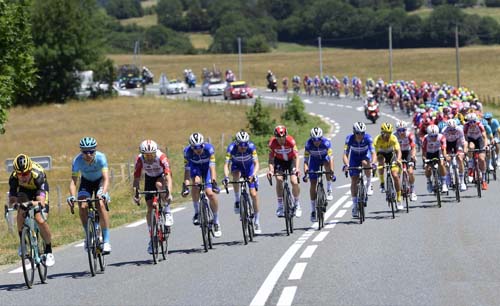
{"points": [[122, 172], [222, 142], [59, 202]]}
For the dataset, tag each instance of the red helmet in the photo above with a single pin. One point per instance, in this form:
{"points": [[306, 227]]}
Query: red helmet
{"points": [[280, 131]]}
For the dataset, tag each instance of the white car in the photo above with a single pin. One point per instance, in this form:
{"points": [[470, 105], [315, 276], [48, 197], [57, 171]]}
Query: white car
{"points": [[213, 87], [173, 87]]}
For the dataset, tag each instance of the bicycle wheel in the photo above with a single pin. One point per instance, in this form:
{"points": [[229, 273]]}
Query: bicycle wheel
{"points": [[494, 163], [320, 206], [42, 267], [286, 207], [244, 219], [405, 188], [153, 234], [437, 188], [391, 194], [456, 178], [291, 210], [478, 180], [91, 246], [250, 215], [361, 201], [204, 226], [27, 260], [163, 234]]}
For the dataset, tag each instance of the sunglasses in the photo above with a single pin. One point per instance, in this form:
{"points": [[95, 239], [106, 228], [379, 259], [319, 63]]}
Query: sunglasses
{"points": [[401, 130], [359, 133], [243, 144], [385, 134], [91, 152], [198, 147], [24, 174]]}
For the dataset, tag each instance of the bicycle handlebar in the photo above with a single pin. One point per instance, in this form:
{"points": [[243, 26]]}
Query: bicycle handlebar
{"points": [[241, 181], [88, 201], [153, 192]]}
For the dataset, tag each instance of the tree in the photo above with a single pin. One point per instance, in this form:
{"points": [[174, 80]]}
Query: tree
{"points": [[196, 18], [170, 14], [17, 68], [123, 9], [67, 39], [160, 39], [295, 111], [259, 119]]}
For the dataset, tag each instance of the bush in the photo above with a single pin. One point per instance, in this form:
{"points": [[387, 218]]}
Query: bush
{"points": [[492, 3], [295, 111], [259, 119]]}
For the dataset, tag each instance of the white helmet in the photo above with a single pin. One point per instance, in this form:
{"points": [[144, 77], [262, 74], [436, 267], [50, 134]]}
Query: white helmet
{"points": [[432, 130], [359, 127], [316, 132], [196, 139], [401, 124], [148, 146], [472, 117], [452, 123], [242, 136]]}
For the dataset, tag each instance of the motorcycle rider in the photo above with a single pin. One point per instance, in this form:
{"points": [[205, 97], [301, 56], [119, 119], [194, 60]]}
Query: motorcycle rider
{"points": [[370, 101]]}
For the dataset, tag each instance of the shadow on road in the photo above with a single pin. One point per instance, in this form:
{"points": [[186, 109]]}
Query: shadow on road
{"points": [[74, 275], [136, 263], [278, 234], [14, 287]]}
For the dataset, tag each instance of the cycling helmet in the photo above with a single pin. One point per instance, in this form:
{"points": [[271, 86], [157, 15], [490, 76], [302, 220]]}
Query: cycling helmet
{"points": [[242, 136], [488, 115], [432, 130], [386, 127], [316, 132], [196, 139], [22, 163], [401, 125], [441, 125], [280, 131], [88, 143], [452, 123], [359, 127], [148, 146], [471, 117]]}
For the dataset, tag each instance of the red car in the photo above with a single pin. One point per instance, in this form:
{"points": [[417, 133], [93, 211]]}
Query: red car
{"points": [[237, 90]]}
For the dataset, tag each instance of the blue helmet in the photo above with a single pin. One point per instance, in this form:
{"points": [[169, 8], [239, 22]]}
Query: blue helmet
{"points": [[88, 143], [488, 115]]}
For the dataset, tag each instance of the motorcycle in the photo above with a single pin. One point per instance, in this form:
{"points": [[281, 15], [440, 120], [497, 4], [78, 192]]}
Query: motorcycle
{"points": [[371, 111], [191, 80], [272, 84]]}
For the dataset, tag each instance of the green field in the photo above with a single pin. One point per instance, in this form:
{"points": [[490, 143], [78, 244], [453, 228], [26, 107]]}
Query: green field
{"points": [[493, 12], [144, 21], [200, 40]]}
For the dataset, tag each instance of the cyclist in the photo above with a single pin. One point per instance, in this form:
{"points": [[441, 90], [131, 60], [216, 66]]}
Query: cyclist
{"points": [[455, 143], [199, 163], [318, 150], [156, 168], [358, 151], [284, 155], [94, 180], [406, 140], [475, 134], [345, 81], [242, 160], [387, 148], [29, 182], [434, 146], [495, 128]]}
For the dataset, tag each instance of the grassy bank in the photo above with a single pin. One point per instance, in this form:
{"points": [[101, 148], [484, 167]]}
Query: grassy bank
{"points": [[119, 125]]}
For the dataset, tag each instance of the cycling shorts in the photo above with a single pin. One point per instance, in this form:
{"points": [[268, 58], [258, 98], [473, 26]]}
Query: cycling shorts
{"points": [[451, 147], [281, 166], [314, 166], [150, 184], [89, 188], [246, 172], [478, 143], [202, 172], [356, 163]]}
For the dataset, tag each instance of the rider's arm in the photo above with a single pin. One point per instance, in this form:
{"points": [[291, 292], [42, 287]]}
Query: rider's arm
{"points": [[105, 181], [213, 173], [255, 159], [72, 185], [187, 170], [137, 172]]}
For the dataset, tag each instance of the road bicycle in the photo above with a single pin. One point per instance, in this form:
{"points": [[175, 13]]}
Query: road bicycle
{"points": [[321, 201], [32, 245], [246, 209], [436, 180], [390, 191], [477, 177], [158, 232], [206, 216], [288, 203], [93, 236], [405, 183], [454, 176], [491, 160], [362, 193]]}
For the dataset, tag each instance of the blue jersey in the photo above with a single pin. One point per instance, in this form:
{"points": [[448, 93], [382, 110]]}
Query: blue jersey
{"points": [[358, 150], [323, 152], [202, 161], [241, 159], [494, 125], [345, 80], [93, 171]]}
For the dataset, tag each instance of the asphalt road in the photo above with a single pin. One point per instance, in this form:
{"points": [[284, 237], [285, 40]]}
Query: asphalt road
{"points": [[431, 256]]}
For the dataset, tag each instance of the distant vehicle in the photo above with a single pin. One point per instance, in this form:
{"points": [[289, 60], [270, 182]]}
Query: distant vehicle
{"points": [[213, 87], [129, 76], [237, 90], [174, 86]]}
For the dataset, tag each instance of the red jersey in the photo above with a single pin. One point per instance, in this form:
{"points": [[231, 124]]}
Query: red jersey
{"points": [[159, 166], [287, 151]]}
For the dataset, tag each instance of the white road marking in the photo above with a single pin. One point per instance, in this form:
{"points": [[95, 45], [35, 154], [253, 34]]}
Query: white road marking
{"points": [[19, 270], [309, 251], [334, 207], [330, 226], [348, 204], [340, 214], [297, 271], [321, 236], [307, 101], [287, 295]]}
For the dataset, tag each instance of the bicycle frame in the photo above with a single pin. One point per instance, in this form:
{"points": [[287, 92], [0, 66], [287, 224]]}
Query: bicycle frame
{"points": [[390, 192], [321, 202], [436, 181], [288, 205], [206, 216], [246, 210], [405, 182], [362, 191]]}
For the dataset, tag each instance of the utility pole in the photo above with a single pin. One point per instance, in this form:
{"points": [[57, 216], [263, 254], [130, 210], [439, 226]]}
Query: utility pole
{"points": [[390, 53], [320, 58], [457, 55], [239, 58], [137, 52]]}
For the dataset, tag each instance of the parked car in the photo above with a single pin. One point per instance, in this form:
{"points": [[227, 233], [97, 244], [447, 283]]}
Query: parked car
{"points": [[213, 87], [129, 76], [174, 86], [237, 90]]}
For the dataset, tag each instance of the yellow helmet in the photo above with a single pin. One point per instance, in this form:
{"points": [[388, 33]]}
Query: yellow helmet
{"points": [[22, 163], [386, 127]]}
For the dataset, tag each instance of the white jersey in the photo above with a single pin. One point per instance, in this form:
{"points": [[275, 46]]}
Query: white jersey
{"points": [[156, 168], [453, 135]]}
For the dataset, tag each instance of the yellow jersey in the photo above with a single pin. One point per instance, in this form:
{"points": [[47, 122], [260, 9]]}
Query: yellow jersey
{"points": [[389, 146]]}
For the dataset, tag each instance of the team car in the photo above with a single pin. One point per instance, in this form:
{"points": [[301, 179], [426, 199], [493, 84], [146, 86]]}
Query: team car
{"points": [[213, 87], [173, 86], [237, 90]]}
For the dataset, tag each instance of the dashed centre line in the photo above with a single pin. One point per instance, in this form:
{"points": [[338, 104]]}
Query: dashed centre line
{"points": [[297, 271], [309, 251]]}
